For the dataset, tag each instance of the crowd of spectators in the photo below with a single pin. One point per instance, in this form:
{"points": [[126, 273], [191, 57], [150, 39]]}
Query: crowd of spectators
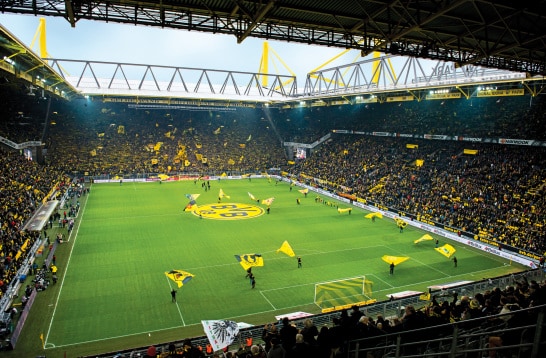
{"points": [[25, 184], [505, 117], [447, 309], [495, 309], [22, 113], [497, 193], [113, 139]]}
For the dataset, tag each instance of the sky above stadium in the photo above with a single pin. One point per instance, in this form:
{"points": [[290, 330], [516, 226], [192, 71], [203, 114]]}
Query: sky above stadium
{"points": [[111, 42]]}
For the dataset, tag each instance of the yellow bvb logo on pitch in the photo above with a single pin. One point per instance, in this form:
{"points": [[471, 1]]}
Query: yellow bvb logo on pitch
{"points": [[228, 211]]}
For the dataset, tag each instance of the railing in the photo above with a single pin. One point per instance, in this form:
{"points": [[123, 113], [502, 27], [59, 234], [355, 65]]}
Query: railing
{"points": [[386, 309], [467, 338]]}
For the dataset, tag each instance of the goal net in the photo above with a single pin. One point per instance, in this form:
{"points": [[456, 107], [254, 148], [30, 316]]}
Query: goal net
{"points": [[342, 292]]}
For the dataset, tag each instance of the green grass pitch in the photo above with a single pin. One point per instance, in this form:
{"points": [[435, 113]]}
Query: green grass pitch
{"points": [[113, 292]]}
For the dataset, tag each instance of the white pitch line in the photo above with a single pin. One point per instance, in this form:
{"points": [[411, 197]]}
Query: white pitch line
{"points": [[422, 263], [117, 218], [377, 277], [268, 301], [237, 317], [114, 337], [280, 258], [176, 302], [428, 281], [481, 253], [64, 275]]}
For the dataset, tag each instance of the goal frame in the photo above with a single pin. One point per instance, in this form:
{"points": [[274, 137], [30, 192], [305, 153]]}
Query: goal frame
{"points": [[350, 283]]}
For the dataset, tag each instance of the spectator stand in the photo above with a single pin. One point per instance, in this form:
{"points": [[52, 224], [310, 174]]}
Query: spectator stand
{"points": [[389, 309]]}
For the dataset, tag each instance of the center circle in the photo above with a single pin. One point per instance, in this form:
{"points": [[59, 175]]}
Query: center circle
{"points": [[228, 211]]}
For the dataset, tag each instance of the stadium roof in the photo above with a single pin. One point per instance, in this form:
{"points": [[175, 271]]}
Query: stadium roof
{"points": [[503, 34], [23, 68]]}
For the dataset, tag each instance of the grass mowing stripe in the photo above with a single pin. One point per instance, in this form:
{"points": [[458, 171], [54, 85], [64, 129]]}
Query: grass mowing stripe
{"points": [[77, 226], [272, 306], [178, 307], [132, 234]]}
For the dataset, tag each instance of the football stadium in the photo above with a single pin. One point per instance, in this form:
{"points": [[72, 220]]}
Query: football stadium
{"points": [[384, 210]]}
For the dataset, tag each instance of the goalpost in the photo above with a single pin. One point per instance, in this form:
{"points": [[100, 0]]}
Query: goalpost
{"points": [[342, 292]]}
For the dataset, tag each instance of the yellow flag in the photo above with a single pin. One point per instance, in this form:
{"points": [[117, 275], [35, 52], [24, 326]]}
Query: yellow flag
{"points": [[425, 296], [179, 277], [447, 250], [268, 201], [425, 237], [286, 249], [250, 260], [400, 222], [394, 259]]}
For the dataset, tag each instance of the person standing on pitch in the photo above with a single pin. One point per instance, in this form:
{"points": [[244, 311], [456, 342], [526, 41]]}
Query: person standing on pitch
{"points": [[391, 271], [299, 262], [173, 295]]}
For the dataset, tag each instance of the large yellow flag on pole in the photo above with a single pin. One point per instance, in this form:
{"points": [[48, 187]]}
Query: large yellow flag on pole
{"points": [[221, 194], [394, 259], [250, 260], [425, 237], [447, 250], [179, 277], [286, 249], [400, 223], [268, 201]]}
